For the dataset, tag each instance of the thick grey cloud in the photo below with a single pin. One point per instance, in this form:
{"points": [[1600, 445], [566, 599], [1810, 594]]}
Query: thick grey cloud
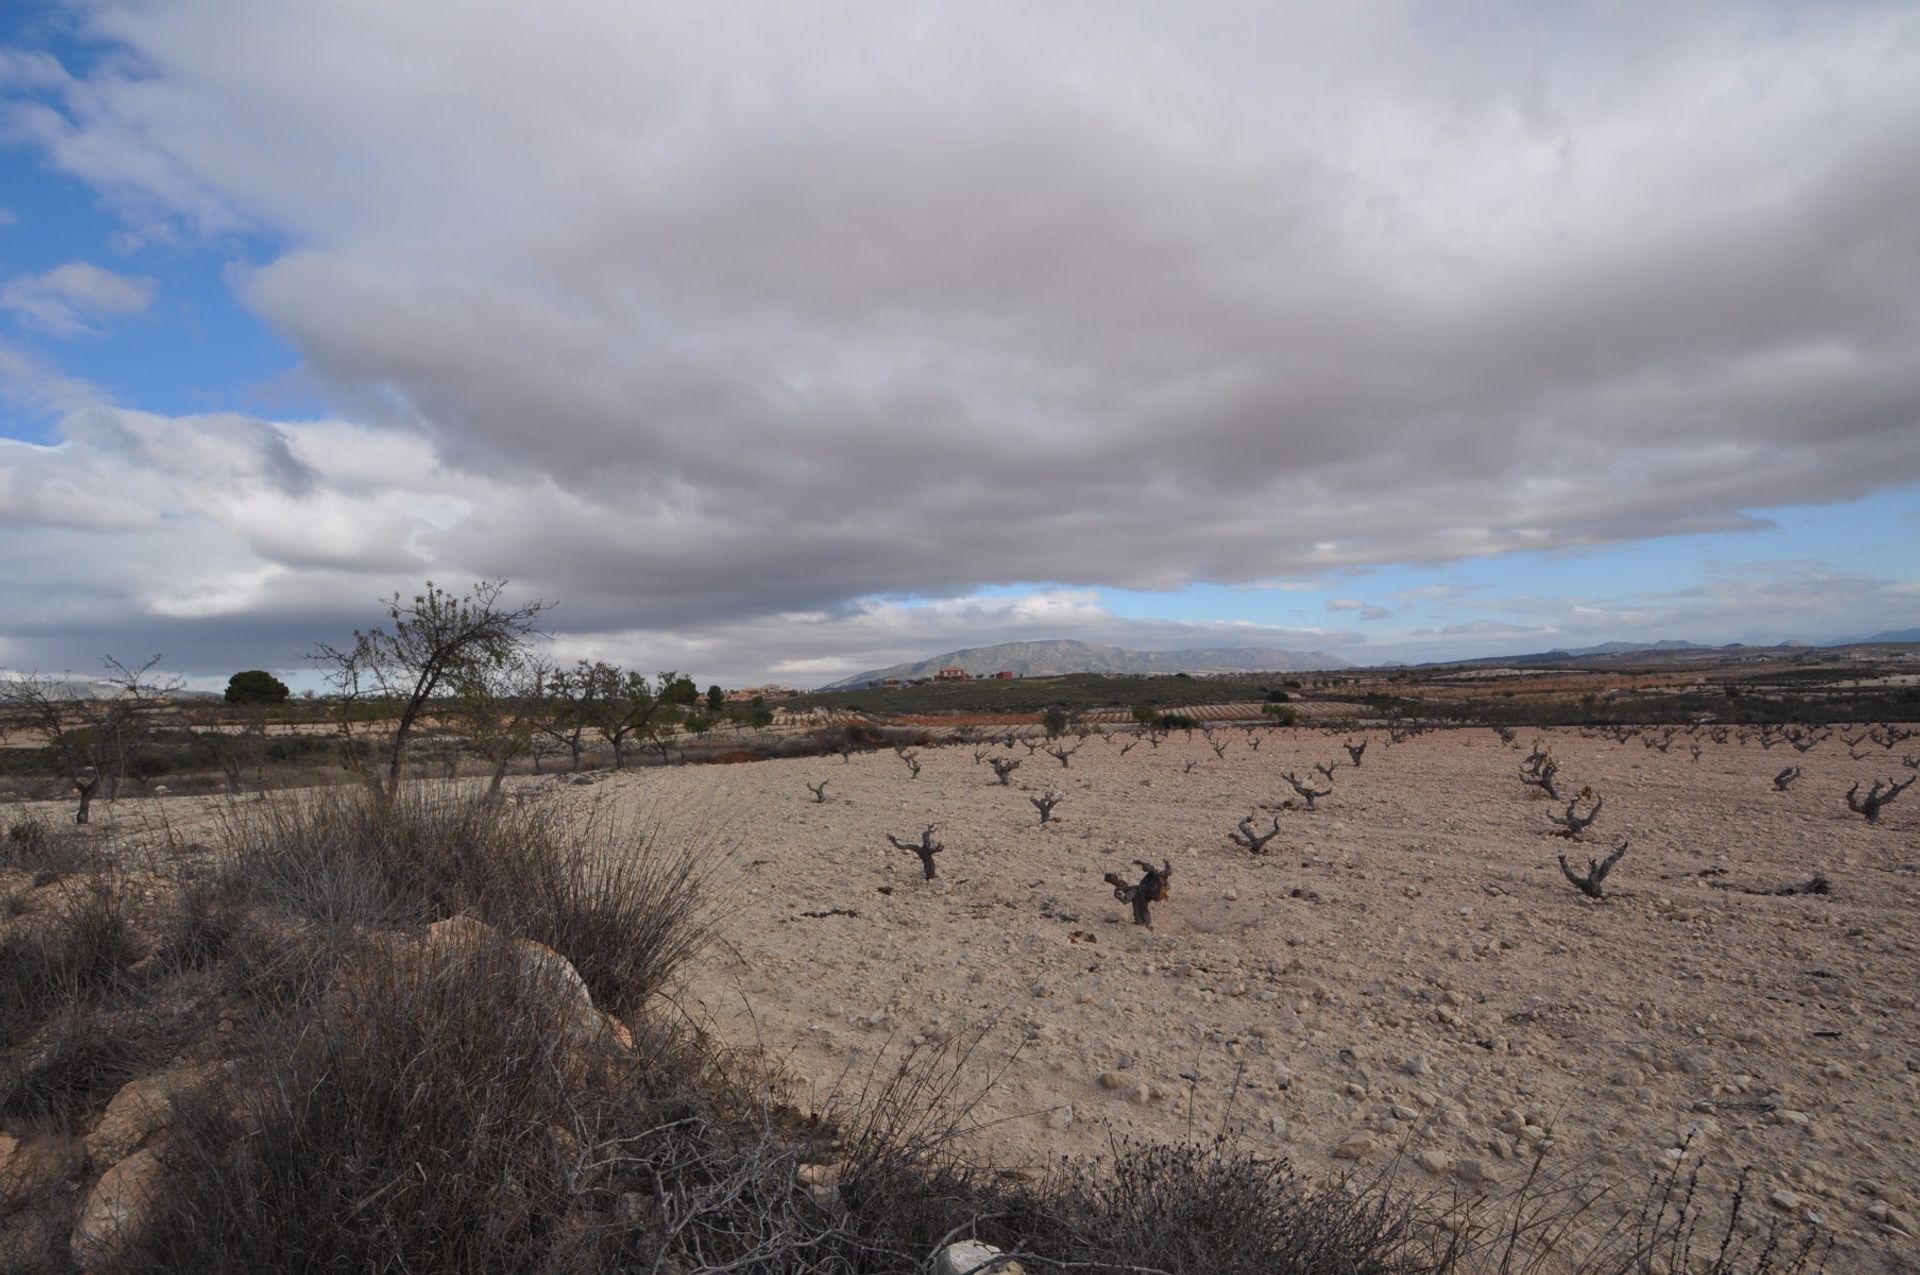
{"points": [[714, 316]]}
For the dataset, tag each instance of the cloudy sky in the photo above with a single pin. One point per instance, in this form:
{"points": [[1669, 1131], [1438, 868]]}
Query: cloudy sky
{"points": [[785, 340]]}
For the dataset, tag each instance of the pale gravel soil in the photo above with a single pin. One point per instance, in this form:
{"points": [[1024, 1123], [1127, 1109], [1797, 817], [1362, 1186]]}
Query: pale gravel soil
{"points": [[1434, 935], [1406, 967]]}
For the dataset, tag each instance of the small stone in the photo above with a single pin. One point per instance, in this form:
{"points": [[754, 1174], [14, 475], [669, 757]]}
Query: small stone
{"points": [[1438, 1163], [1355, 1147], [1417, 1066], [1784, 1199], [1476, 1171], [968, 1256], [1060, 1118], [1112, 1080]]}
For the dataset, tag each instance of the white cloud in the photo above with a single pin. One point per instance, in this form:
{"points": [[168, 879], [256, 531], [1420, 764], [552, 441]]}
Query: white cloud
{"points": [[701, 319], [1366, 610], [67, 300]]}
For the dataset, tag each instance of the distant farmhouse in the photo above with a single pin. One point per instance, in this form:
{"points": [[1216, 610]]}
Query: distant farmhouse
{"points": [[747, 694]]}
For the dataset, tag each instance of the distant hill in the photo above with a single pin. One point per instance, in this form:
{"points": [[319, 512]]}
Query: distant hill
{"points": [[1060, 656], [1887, 635], [1624, 648]]}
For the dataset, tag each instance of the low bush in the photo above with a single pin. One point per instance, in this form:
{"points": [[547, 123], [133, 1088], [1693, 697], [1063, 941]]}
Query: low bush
{"points": [[625, 909]]}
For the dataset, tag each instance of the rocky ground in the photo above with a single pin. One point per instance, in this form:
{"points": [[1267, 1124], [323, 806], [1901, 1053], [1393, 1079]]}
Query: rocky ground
{"points": [[1404, 982]]}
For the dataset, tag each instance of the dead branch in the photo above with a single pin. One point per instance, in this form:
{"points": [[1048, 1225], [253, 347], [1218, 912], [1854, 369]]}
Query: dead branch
{"points": [[1817, 884], [927, 848], [1219, 747], [1881, 794], [1589, 885], [1045, 803], [1326, 771], [1356, 751], [1573, 824], [1539, 774], [1151, 889], [1784, 780], [1309, 794], [819, 791], [1254, 841], [1129, 746]]}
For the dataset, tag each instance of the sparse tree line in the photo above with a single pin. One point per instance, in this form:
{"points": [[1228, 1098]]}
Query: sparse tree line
{"points": [[451, 678]]}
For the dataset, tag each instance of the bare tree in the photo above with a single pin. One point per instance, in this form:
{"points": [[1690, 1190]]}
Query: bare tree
{"points": [[1254, 841], [1325, 771], [1356, 751], [1219, 747], [564, 706], [1310, 795], [90, 727], [927, 848], [434, 638], [819, 791], [1151, 889], [495, 707], [1061, 755], [913, 762], [1573, 824], [1784, 780], [1003, 768], [1881, 794], [1508, 736], [1597, 870], [1045, 803]]}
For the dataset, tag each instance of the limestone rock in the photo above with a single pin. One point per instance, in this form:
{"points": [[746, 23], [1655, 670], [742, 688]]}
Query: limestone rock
{"points": [[968, 1256], [142, 1108], [116, 1211]]}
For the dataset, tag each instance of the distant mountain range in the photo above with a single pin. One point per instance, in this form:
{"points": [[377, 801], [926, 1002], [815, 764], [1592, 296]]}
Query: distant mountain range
{"points": [[1053, 658], [1060, 656], [1886, 635]]}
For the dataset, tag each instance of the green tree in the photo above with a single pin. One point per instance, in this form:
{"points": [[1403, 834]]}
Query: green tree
{"points": [[1055, 721], [629, 709], [1146, 714], [716, 700], [256, 686]]}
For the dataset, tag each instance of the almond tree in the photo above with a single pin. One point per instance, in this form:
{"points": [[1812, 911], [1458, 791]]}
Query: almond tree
{"points": [[90, 727], [435, 639], [564, 705]]}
